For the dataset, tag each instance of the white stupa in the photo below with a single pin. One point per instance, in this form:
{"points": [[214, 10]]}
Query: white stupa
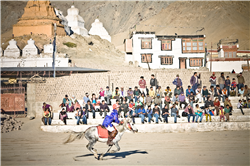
{"points": [[30, 49], [12, 50], [76, 22], [98, 29]]}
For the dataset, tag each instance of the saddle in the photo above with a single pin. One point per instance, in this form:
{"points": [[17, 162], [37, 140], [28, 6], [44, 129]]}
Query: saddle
{"points": [[102, 131]]}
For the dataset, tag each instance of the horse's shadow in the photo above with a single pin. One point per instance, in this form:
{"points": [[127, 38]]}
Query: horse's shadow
{"points": [[117, 155]]}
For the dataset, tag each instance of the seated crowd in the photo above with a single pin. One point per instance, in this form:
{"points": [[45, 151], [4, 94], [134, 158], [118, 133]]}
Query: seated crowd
{"points": [[154, 102]]}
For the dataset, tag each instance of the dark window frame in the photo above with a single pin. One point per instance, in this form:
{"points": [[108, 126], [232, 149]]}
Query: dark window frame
{"points": [[168, 57], [146, 39], [148, 55]]}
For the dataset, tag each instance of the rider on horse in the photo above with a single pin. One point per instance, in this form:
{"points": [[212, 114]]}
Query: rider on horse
{"points": [[107, 123]]}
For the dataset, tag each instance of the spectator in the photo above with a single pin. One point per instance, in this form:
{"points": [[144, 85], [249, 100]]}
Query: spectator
{"points": [[77, 105], [176, 99], [141, 113], [149, 114], [86, 98], [103, 109], [159, 91], [101, 94], [198, 94], [131, 107], [177, 81], [191, 99], [151, 93], [239, 106], [142, 85], [189, 110], [116, 94], [47, 116], [130, 93], [241, 92], [137, 93], [246, 92], [122, 93], [123, 111], [228, 102], [232, 91], [211, 92], [146, 90], [218, 92], [107, 95], [137, 104], [209, 103], [248, 103], [63, 116], [198, 113], [73, 102], [182, 100], [67, 103], [84, 115], [165, 114], [168, 92], [241, 81], [148, 100], [227, 85], [177, 90], [89, 108], [207, 113], [47, 106], [244, 104], [212, 80], [157, 101], [222, 81], [174, 112], [156, 112], [142, 99], [227, 111], [217, 105], [205, 93], [153, 82], [78, 115], [189, 90], [93, 99], [222, 113], [224, 93], [194, 82], [233, 87], [167, 101]]}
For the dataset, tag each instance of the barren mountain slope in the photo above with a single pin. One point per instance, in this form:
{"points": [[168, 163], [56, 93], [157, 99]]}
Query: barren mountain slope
{"points": [[217, 20]]}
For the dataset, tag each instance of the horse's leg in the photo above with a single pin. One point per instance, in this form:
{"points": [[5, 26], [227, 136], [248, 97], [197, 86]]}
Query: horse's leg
{"points": [[101, 157], [90, 148], [117, 148]]}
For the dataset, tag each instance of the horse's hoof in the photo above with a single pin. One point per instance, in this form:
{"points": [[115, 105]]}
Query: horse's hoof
{"points": [[96, 156]]}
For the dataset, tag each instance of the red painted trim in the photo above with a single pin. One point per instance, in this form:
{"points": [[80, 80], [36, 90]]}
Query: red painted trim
{"points": [[228, 59]]}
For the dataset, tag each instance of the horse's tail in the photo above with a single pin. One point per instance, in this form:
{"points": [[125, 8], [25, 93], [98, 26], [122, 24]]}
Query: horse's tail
{"points": [[74, 135]]}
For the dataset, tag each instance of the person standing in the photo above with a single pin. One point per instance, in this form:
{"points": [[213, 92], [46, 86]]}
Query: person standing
{"points": [[194, 82], [241, 81], [212, 80], [178, 82], [153, 82], [142, 85], [222, 81]]}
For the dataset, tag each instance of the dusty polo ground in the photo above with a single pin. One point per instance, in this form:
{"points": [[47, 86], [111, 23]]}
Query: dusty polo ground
{"points": [[31, 146]]}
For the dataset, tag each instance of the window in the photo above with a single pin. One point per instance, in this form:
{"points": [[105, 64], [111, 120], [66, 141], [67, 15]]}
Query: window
{"points": [[195, 62], [166, 45], [146, 43], [230, 54], [234, 54], [226, 54], [166, 60], [193, 45], [146, 58]]}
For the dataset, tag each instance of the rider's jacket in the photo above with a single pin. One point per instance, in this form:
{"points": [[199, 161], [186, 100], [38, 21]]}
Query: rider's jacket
{"points": [[113, 117]]}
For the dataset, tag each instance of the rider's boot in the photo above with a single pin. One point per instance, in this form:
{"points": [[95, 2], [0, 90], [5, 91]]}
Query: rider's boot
{"points": [[111, 137]]}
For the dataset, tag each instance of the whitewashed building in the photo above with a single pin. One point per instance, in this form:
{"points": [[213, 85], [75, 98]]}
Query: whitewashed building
{"points": [[177, 51], [98, 29], [76, 22]]}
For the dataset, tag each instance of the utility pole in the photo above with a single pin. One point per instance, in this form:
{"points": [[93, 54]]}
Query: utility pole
{"points": [[54, 52], [211, 56]]}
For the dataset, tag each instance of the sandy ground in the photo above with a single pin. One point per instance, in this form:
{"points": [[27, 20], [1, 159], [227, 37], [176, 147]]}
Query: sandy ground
{"points": [[31, 146]]}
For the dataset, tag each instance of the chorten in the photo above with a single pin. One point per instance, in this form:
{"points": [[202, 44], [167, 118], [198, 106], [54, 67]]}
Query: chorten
{"points": [[76, 22], [30, 49], [12, 50], [38, 18], [98, 29]]}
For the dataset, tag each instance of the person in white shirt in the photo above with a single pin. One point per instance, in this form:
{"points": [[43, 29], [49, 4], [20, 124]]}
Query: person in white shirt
{"points": [[198, 94]]}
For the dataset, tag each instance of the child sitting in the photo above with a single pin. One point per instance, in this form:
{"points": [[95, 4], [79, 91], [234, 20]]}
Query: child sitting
{"points": [[248, 103], [232, 91], [168, 92], [222, 114], [244, 105], [241, 92], [239, 106], [207, 113], [224, 94]]}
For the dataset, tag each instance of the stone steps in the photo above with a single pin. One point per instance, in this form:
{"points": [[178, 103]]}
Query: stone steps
{"points": [[167, 128]]}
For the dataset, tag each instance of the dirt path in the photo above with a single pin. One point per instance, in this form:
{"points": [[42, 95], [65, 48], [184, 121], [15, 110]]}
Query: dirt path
{"points": [[31, 146]]}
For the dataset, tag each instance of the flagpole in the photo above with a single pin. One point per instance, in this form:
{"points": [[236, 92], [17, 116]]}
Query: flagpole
{"points": [[54, 52]]}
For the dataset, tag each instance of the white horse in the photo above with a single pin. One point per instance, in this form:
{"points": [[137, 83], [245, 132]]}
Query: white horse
{"points": [[91, 134]]}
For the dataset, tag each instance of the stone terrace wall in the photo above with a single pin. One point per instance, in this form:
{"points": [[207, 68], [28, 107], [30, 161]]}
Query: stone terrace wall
{"points": [[54, 90]]}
